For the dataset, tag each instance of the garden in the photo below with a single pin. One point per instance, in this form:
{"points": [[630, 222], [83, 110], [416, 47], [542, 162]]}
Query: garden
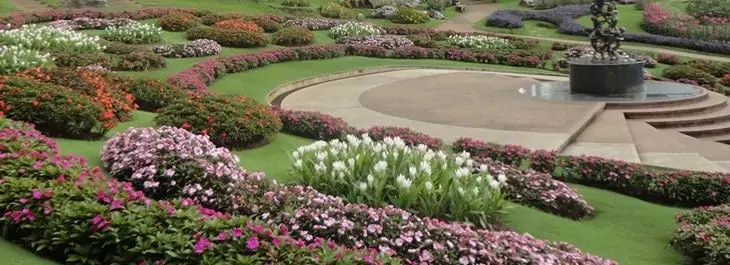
{"points": [[146, 137], [696, 25]]}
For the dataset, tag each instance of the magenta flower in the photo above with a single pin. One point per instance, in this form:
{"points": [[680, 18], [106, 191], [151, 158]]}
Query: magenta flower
{"points": [[252, 243], [236, 232], [202, 245], [276, 241], [116, 204], [37, 194]]}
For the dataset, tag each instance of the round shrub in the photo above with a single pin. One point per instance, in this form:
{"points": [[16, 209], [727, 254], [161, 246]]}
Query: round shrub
{"points": [[717, 69], [139, 61], [151, 94], [195, 48], [409, 15], [77, 59], [120, 48], [16, 136], [177, 21], [118, 104], [295, 3], [725, 80], [335, 10], [688, 72], [211, 19], [232, 122], [669, 59], [230, 37], [312, 124], [238, 24], [56, 111], [269, 25], [423, 41], [134, 33], [294, 36], [354, 29], [168, 163]]}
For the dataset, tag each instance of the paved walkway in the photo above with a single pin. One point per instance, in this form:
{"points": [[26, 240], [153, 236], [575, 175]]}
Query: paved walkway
{"points": [[478, 12], [485, 105]]}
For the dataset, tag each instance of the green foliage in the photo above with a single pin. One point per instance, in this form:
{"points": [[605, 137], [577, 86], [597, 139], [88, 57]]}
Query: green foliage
{"points": [[409, 15], [230, 37], [296, 3], [423, 41], [76, 59], [688, 72], [267, 24], [335, 10], [715, 68], [231, 122], [134, 33], [211, 19], [379, 3], [437, 4], [712, 8], [55, 110], [293, 36], [152, 94], [139, 61], [120, 48]]}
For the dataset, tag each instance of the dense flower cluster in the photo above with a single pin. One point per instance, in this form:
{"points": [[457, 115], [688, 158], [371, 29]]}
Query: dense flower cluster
{"points": [[134, 33], [669, 187], [170, 162], [314, 23], [238, 24], [89, 23], [410, 137], [703, 235], [15, 59], [389, 172], [46, 38], [662, 22], [479, 42], [354, 29], [195, 48], [312, 125], [386, 41]]}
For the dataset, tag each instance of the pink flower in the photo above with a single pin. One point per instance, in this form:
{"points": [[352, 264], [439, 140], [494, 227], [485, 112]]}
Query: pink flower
{"points": [[236, 232], [252, 243], [202, 245]]}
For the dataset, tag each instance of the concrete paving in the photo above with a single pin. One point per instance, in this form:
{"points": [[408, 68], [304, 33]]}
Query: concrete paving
{"points": [[484, 105]]}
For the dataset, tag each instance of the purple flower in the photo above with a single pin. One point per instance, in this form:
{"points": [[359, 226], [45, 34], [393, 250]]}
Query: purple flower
{"points": [[202, 245], [236, 232], [252, 243]]}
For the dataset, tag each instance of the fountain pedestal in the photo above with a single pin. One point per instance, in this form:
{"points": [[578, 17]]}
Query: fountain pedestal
{"points": [[604, 77]]}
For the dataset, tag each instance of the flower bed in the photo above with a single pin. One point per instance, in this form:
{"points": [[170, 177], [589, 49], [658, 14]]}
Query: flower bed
{"points": [[134, 33], [177, 21], [151, 94], [564, 17], [17, 19], [479, 42], [364, 171], [15, 59], [45, 38], [293, 36], [89, 23], [668, 187], [195, 48], [230, 37], [389, 42], [354, 29], [204, 73], [312, 125], [703, 235], [232, 122], [661, 22], [60, 204], [238, 24]]}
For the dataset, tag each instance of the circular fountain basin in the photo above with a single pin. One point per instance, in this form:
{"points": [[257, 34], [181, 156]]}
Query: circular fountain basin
{"points": [[604, 77], [649, 91]]}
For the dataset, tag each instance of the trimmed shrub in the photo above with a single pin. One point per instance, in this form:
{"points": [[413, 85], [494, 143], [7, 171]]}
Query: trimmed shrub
{"points": [[312, 125], [708, 8], [169, 163], [423, 41], [715, 68], [559, 46], [385, 41], [295, 3], [314, 23], [118, 104], [56, 111], [409, 15], [178, 21], [548, 4], [211, 19], [195, 48], [669, 59], [151, 94], [335, 10], [75, 59], [231, 122], [120, 48], [267, 24], [725, 80], [703, 235], [689, 72], [139, 61], [293, 36], [230, 37], [238, 24]]}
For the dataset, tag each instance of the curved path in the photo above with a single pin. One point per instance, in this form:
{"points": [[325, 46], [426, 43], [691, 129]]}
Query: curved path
{"points": [[478, 12], [494, 107]]}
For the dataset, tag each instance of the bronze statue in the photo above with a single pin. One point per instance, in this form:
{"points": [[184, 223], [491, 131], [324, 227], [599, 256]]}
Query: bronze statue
{"points": [[605, 40]]}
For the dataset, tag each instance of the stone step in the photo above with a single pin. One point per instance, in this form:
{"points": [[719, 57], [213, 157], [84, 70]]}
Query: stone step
{"points": [[713, 102], [723, 138], [719, 128], [691, 120], [627, 105]]}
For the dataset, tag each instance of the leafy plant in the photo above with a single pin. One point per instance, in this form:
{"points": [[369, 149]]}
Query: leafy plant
{"points": [[409, 15], [15, 59], [296, 3], [45, 38], [389, 172], [134, 33], [177, 21], [710, 8], [238, 24], [293, 36], [437, 4], [230, 37]]}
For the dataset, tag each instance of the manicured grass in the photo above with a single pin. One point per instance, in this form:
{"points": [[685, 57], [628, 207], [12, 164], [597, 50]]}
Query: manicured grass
{"points": [[10, 254], [243, 6], [628, 16], [7, 7], [628, 230]]}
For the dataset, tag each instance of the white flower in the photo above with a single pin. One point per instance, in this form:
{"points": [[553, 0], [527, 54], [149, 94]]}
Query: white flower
{"points": [[403, 182], [362, 186], [483, 168], [462, 172], [380, 166], [494, 184], [298, 164], [502, 178], [425, 167], [461, 190], [412, 171], [339, 166], [321, 156], [295, 154], [370, 179], [320, 167], [428, 185]]}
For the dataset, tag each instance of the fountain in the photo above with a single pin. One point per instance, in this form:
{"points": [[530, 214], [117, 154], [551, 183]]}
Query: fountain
{"points": [[605, 74]]}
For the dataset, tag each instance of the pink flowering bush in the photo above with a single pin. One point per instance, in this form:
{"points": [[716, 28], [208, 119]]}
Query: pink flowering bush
{"points": [[386, 41], [669, 187], [59, 207], [312, 124], [703, 235], [308, 214], [659, 21], [171, 162], [17, 19], [539, 190], [410, 137], [195, 48]]}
